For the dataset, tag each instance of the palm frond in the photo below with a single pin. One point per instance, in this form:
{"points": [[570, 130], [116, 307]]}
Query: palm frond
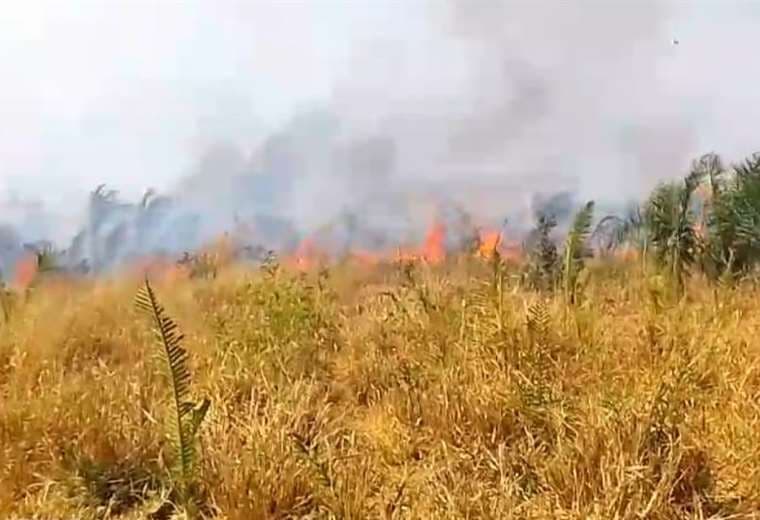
{"points": [[608, 233], [147, 198], [576, 249], [710, 166], [576, 245], [734, 220], [614, 231], [749, 169], [542, 253], [670, 224]]}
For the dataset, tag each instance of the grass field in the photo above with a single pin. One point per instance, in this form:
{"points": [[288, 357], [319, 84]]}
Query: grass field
{"points": [[424, 392]]}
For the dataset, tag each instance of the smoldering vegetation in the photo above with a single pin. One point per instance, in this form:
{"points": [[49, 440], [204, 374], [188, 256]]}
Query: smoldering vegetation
{"points": [[606, 370], [473, 113], [255, 201]]}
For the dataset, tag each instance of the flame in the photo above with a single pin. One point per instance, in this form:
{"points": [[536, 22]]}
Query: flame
{"points": [[311, 253], [160, 270], [407, 254], [25, 271], [366, 258], [433, 249], [221, 250], [627, 254], [307, 256], [512, 251], [490, 243]]}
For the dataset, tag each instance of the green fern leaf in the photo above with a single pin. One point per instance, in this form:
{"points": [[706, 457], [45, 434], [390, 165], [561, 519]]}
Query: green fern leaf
{"points": [[199, 414], [187, 415]]}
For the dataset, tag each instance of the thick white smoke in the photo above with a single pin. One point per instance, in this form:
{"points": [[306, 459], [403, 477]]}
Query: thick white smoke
{"points": [[307, 110]]}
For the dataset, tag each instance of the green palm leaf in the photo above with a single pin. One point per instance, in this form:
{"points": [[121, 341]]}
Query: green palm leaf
{"points": [[734, 220], [576, 249], [670, 223]]}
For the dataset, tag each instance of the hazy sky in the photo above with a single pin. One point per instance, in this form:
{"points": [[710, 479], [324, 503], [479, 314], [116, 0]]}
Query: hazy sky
{"points": [[129, 92], [122, 91]]}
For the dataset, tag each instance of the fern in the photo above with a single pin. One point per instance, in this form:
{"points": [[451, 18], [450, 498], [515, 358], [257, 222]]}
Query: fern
{"points": [[576, 250], [537, 321], [536, 362], [188, 416]]}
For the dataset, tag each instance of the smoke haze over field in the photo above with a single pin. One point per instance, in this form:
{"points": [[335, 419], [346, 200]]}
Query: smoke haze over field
{"points": [[303, 110]]}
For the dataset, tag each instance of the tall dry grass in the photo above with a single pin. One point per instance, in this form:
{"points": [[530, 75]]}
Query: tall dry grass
{"points": [[424, 393]]}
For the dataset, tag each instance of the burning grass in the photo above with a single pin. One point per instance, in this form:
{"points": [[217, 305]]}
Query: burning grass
{"points": [[428, 390]]}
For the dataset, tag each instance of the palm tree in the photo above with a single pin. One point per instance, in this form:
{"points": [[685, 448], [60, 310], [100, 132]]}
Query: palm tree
{"points": [[734, 220], [613, 231], [542, 253], [576, 250], [100, 205], [670, 223]]}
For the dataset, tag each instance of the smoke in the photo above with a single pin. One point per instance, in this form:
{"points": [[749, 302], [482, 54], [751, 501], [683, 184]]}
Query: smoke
{"points": [[359, 121]]}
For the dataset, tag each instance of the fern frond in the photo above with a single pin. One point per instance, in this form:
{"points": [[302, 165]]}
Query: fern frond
{"points": [[187, 415], [198, 415], [537, 320]]}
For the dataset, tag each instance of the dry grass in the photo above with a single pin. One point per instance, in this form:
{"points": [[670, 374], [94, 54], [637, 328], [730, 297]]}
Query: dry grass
{"points": [[384, 395]]}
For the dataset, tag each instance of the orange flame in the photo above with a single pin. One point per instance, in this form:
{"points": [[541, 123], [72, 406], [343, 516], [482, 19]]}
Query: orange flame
{"points": [[307, 256], [25, 271], [160, 270], [512, 251], [366, 258], [490, 243], [406, 254], [434, 250]]}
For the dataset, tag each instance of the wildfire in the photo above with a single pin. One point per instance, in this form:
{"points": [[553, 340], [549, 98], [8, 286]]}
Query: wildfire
{"points": [[434, 247], [25, 271], [307, 255], [160, 269], [490, 243], [407, 254], [311, 253], [512, 251], [432, 250], [366, 258]]}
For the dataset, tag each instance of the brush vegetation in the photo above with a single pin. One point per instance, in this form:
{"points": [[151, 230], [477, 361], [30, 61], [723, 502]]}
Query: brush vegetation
{"points": [[615, 386]]}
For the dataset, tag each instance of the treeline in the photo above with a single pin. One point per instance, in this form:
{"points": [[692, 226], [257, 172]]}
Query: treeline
{"points": [[707, 222]]}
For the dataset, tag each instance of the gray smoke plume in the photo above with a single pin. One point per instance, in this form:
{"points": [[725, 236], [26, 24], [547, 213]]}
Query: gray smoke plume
{"points": [[357, 122]]}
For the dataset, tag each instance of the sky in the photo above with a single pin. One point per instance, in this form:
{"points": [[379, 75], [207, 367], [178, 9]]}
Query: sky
{"points": [[123, 92], [131, 93]]}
